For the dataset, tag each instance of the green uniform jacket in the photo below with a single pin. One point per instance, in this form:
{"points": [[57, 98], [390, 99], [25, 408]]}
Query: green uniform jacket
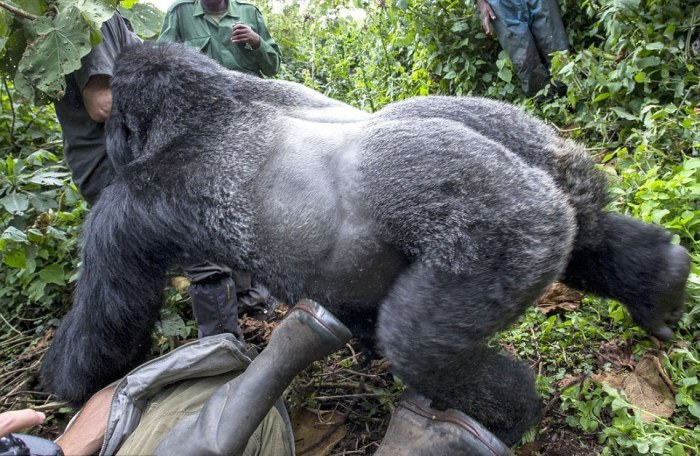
{"points": [[186, 22]]}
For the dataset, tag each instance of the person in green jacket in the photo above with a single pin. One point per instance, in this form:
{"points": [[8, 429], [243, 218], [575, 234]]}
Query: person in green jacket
{"points": [[229, 31]]}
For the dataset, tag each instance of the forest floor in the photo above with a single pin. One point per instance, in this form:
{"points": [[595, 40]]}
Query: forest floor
{"points": [[339, 406]]}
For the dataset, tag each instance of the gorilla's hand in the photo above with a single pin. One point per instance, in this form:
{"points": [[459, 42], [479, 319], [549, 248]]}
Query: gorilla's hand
{"points": [[668, 301]]}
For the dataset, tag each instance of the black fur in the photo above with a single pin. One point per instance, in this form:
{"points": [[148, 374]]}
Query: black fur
{"points": [[433, 224]]}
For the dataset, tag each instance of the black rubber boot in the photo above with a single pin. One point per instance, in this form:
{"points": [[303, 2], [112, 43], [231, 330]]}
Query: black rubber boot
{"points": [[234, 411], [416, 429]]}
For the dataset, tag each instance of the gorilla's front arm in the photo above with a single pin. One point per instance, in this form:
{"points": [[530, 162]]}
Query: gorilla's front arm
{"points": [[118, 295], [431, 224]]}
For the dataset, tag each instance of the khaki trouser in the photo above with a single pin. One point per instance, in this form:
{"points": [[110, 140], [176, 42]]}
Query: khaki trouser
{"points": [[187, 397]]}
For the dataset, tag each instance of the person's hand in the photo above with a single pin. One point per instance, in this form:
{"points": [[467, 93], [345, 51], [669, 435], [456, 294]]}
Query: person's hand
{"points": [[487, 15], [242, 34], [17, 420]]}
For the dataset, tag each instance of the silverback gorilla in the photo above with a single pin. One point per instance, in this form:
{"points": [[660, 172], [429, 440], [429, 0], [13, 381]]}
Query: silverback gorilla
{"points": [[427, 226]]}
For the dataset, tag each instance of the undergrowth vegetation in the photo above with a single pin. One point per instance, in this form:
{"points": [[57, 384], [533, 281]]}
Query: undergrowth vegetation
{"points": [[633, 78]]}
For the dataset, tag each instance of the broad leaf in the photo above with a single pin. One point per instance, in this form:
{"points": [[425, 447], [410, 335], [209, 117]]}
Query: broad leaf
{"points": [[145, 19], [623, 114], [56, 52], [15, 259], [171, 325], [53, 274], [49, 178], [93, 12], [15, 203], [14, 234], [460, 26]]}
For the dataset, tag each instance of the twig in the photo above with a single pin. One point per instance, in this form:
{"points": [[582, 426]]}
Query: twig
{"points": [[343, 419], [9, 346], [567, 130], [50, 406], [557, 394], [10, 325], [346, 396], [349, 371], [18, 12]]}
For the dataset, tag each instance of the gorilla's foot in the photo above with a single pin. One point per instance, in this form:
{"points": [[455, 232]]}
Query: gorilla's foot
{"points": [[234, 411], [667, 301], [416, 429]]}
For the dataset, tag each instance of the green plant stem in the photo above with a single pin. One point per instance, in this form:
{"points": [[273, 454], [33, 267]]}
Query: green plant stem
{"points": [[12, 108], [17, 12]]}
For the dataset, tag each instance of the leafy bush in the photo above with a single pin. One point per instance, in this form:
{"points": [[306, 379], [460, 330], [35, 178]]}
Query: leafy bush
{"points": [[41, 218]]}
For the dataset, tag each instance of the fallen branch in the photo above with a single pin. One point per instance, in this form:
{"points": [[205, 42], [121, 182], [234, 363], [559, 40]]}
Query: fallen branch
{"points": [[17, 12]]}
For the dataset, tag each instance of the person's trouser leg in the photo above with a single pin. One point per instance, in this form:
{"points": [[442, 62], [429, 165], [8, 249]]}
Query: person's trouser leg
{"points": [[187, 398], [547, 28], [513, 31], [213, 298]]}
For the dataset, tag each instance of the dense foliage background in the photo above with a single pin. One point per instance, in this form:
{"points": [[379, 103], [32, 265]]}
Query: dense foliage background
{"points": [[633, 98]]}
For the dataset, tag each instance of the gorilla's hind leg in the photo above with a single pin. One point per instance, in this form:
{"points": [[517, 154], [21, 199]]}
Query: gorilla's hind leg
{"points": [[433, 327]]}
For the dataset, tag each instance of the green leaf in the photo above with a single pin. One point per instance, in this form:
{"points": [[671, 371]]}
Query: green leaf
{"points": [[13, 234], [659, 214], [464, 42], [654, 46], [34, 235], [647, 62], [694, 410], [49, 178], [15, 203], [623, 114], [56, 52], [459, 26], [678, 450], [15, 259], [53, 274], [172, 325], [601, 97], [145, 19], [505, 74], [37, 290]]}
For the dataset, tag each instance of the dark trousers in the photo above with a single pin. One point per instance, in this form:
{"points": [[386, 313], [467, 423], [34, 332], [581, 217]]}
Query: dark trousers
{"points": [[529, 31], [213, 298]]}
